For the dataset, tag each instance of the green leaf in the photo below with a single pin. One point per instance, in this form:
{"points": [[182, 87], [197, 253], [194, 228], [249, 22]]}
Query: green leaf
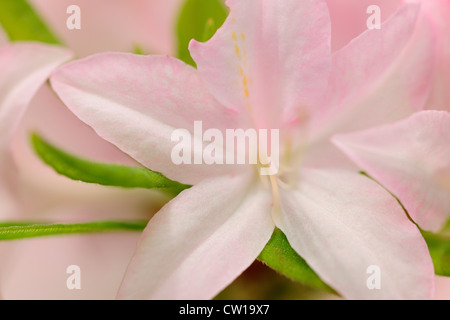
{"points": [[105, 174], [199, 20], [22, 230], [439, 247], [22, 23], [279, 255]]}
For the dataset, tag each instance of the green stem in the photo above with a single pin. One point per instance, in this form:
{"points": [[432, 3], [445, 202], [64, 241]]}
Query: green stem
{"points": [[22, 23], [22, 230]]}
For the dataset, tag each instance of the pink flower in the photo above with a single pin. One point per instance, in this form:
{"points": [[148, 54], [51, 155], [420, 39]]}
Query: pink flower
{"points": [[25, 67], [268, 67]]}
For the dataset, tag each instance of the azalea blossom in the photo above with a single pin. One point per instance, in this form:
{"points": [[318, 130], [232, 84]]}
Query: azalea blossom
{"points": [[268, 67], [411, 158]]}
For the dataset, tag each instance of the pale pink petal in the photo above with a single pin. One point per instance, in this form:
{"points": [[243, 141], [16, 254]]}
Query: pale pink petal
{"points": [[349, 18], [411, 158], [342, 224], [24, 68], [49, 117], [381, 76], [442, 288], [137, 102], [271, 57], [439, 11], [201, 241]]}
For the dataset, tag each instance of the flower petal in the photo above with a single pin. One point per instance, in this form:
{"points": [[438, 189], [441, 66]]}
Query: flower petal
{"points": [[440, 95], [411, 158], [201, 241], [349, 18], [343, 224], [271, 57], [381, 76], [137, 102], [25, 67]]}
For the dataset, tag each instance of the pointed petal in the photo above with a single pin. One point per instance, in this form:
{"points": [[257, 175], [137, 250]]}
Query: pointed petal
{"points": [[272, 57], [201, 241], [411, 158], [25, 67], [137, 102], [381, 76], [342, 224]]}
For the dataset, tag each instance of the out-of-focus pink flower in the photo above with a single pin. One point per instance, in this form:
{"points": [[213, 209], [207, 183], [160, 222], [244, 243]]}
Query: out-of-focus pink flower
{"points": [[411, 158], [25, 67], [267, 67], [114, 25]]}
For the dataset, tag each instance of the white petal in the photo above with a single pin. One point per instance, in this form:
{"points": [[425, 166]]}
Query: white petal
{"points": [[342, 223], [201, 241]]}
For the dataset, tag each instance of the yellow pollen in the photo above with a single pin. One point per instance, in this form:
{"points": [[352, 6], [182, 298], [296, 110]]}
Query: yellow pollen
{"points": [[242, 37], [244, 81], [238, 53], [234, 36]]}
